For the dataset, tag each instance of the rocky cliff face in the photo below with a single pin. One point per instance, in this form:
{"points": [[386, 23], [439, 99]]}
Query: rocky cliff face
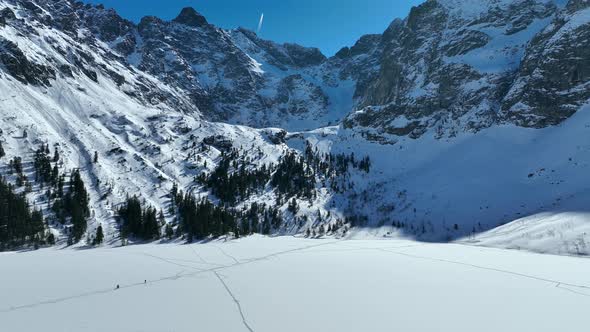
{"points": [[453, 66], [49, 42], [554, 79]]}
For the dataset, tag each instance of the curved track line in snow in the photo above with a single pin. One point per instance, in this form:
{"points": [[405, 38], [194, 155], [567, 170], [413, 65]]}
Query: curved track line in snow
{"points": [[557, 283], [176, 276], [226, 254], [236, 301], [87, 294], [169, 261], [571, 290], [198, 255], [202, 260]]}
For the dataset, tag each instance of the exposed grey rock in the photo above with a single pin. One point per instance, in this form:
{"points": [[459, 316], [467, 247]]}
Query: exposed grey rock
{"points": [[6, 15], [277, 137], [433, 74], [189, 16], [220, 142], [554, 79], [16, 63]]}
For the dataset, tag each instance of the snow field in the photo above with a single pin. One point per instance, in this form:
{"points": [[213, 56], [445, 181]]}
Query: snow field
{"points": [[291, 284]]}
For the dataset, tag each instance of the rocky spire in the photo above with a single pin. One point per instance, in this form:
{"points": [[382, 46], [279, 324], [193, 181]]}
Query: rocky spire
{"points": [[189, 16]]}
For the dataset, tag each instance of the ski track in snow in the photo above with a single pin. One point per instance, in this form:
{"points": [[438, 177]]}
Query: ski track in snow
{"points": [[88, 294], [170, 261], [198, 255], [168, 278], [394, 274], [343, 243], [557, 283], [226, 254], [237, 302]]}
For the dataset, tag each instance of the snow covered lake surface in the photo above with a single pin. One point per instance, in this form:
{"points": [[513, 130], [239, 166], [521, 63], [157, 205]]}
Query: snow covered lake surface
{"points": [[291, 284]]}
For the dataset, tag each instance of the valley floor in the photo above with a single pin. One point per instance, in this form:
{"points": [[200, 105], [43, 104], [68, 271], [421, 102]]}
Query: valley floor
{"points": [[290, 284]]}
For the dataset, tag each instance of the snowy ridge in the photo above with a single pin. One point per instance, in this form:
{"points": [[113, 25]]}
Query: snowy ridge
{"points": [[472, 9]]}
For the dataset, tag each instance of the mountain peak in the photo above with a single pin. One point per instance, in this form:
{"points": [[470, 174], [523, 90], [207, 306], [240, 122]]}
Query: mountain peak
{"points": [[189, 16], [475, 8]]}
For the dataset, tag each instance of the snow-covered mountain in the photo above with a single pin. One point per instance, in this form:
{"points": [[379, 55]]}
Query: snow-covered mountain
{"points": [[472, 113], [455, 66], [232, 76]]}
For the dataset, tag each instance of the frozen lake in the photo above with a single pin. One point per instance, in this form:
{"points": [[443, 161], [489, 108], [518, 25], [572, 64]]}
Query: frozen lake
{"points": [[289, 284]]}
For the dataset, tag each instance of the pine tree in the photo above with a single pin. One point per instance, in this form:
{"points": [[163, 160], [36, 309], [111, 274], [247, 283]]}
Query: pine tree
{"points": [[161, 219], [50, 239], [19, 225], [99, 238], [76, 203], [150, 229], [293, 206], [2, 153], [138, 221], [169, 231], [95, 157]]}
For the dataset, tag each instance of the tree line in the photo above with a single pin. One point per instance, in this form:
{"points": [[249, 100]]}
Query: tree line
{"points": [[233, 181], [21, 225]]}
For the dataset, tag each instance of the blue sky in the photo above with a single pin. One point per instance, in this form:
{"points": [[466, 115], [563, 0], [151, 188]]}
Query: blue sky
{"points": [[327, 24]]}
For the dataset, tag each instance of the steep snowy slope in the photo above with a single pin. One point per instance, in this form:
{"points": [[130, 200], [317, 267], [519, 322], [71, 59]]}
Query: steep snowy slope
{"points": [[144, 142], [443, 189], [562, 232]]}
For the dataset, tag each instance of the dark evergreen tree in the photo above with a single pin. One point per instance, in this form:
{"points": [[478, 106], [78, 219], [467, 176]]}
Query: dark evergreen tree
{"points": [[131, 213], [138, 221], [99, 238], [16, 165], [169, 232], [293, 206], [56, 156], [42, 165], [233, 181], [50, 239], [293, 176], [19, 225], [150, 229], [76, 205]]}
